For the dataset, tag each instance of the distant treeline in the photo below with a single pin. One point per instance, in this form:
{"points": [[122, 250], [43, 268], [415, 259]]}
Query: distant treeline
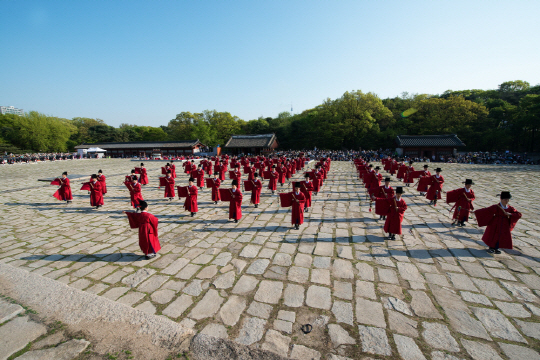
{"points": [[507, 118]]}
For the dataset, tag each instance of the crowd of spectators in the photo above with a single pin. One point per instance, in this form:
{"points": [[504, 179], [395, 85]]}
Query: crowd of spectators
{"points": [[9, 159]]}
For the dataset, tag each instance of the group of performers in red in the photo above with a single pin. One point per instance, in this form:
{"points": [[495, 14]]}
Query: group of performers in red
{"points": [[499, 219]]}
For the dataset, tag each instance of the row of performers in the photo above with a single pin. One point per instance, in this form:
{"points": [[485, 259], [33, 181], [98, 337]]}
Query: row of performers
{"points": [[148, 223], [98, 184], [430, 186], [499, 219]]}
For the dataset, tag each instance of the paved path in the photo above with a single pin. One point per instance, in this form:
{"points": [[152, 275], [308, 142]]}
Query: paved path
{"points": [[432, 293]]}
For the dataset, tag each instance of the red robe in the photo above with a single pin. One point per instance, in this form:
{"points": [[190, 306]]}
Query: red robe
{"points": [[407, 178], [101, 179], [298, 208], [96, 194], [499, 228], [256, 192], [272, 182], [464, 204], [222, 171], [169, 188], [235, 205], [435, 189], [65, 190], [421, 186], [375, 181], [173, 171], [191, 201], [394, 218], [383, 192], [207, 166], [215, 190], [306, 188], [148, 231], [236, 175], [143, 179], [282, 172], [401, 171], [136, 195], [199, 176]]}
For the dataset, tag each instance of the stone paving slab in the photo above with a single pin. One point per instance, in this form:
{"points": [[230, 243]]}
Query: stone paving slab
{"points": [[432, 291]]}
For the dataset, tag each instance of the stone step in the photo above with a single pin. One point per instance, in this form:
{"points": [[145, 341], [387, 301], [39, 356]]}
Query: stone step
{"points": [[109, 325], [8, 310]]}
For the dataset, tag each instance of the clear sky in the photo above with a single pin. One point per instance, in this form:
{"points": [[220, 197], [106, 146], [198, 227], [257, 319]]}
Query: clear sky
{"points": [[142, 62]]}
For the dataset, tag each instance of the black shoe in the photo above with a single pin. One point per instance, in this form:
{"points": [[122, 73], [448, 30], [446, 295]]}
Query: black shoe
{"points": [[69, 201], [236, 221], [273, 192], [297, 227], [393, 237], [256, 205], [192, 214], [215, 202], [150, 256], [491, 251], [306, 210], [497, 251]]}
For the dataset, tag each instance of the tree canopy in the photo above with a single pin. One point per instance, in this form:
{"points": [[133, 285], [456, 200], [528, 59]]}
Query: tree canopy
{"points": [[506, 118]]}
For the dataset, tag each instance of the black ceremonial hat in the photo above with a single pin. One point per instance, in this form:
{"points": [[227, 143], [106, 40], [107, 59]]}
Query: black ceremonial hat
{"points": [[387, 179], [399, 190], [468, 182], [506, 195], [191, 179], [235, 182], [438, 169]]}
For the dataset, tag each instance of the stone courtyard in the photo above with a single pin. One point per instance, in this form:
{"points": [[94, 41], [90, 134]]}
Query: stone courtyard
{"points": [[433, 293]]}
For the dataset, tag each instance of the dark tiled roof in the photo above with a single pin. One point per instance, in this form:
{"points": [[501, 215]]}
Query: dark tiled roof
{"points": [[429, 140], [141, 144], [251, 141]]}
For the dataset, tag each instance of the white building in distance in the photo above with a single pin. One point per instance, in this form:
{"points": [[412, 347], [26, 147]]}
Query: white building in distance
{"points": [[11, 110]]}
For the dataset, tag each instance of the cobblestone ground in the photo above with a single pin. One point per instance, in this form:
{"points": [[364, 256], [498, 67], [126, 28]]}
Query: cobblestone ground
{"points": [[432, 293]]}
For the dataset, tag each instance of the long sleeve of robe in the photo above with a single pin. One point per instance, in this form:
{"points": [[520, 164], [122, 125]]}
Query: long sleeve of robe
{"points": [[499, 228], [148, 231], [103, 182], [463, 205], [435, 189]]}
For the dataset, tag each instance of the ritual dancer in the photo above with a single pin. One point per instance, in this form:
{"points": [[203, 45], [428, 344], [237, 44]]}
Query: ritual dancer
{"points": [[235, 205], [96, 194], [129, 177], [500, 220], [282, 172], [424, 181], [135, 193], [173, 169], [402, 169], [102, 182], [215, 183], [463, 199], [148, 230], [256, 190], [272, 182], [306, 188], [191, 199], [435, 189], [384, 191], [199, 176], [376, 178], [222, 170], [408, 179], [299, 200], [394, 208], [64, 191], [236, 174], [168, 183], [143, 179]]}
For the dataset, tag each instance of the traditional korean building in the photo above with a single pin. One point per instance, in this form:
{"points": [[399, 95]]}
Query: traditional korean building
{"points": [[147, 148], [428, 145], [251, 144]]}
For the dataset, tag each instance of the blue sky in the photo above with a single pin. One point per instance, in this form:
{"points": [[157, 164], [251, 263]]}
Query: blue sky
{"points": [[142, 62]]}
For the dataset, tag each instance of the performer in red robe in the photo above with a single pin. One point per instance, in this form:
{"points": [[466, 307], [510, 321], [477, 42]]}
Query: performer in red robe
{"points": [[222, 170], [407, 179], [500, 220], [215, 188], [282, 172], [306, 188], [102, 182], [376, 178], [199, 176], [148, 230], [272, 182], [435, 189], [169, 187], [96, 194], [256, 192], [421, 186], [135, 193], [143, 179], [384, 191], [396, 207], [236, 174], [65, 189], [235, 205], [191, 200], [173, 169], [463, 202], [299, 200]]}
